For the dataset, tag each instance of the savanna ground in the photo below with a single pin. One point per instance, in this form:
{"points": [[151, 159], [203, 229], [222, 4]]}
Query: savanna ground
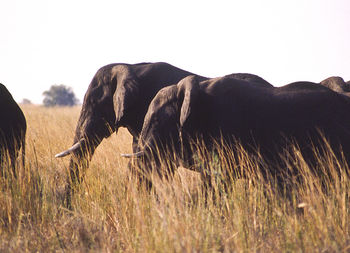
{"points": [[111, 214]]}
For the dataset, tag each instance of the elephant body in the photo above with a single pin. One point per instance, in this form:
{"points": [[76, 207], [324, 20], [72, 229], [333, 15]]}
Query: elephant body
{"points": [[267, 119], [13, 128]]}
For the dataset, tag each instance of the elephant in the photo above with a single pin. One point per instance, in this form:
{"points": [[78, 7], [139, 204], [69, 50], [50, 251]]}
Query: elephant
{"points": [[13, 129], [118, 96], [337, 84], [263, 119]]}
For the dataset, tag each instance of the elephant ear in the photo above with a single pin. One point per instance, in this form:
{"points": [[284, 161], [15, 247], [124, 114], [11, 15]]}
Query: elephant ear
{"points": [[126, 93], [188, 89]]}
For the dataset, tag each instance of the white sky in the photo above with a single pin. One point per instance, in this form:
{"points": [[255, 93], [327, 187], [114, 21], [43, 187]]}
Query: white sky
{"points": [[46, 42]]}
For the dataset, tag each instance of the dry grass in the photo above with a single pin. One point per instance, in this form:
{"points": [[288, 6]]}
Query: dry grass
{"points": [[111, 214]]}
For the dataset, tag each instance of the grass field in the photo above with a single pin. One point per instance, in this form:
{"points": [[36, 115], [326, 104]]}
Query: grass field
{"points": [[111, 214]]}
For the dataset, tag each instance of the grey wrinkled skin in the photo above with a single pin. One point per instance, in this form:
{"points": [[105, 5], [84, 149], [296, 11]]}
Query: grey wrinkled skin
{"points": [[264, 118], [13, 128]]}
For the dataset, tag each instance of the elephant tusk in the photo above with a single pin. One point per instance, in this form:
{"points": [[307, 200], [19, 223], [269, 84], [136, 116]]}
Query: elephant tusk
{"points": [[72, 149], [133, 155]]}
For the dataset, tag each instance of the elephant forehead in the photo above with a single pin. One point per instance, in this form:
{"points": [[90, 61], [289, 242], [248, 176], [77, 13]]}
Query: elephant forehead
{"points": [[161, 109], [163, 97]]}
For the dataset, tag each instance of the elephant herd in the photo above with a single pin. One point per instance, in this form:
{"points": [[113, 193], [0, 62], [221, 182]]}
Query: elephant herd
{"points": [[166, 108]]}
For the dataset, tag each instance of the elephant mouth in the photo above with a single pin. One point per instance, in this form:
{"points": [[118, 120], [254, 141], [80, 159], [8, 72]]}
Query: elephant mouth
{"points": [[76, 147]]}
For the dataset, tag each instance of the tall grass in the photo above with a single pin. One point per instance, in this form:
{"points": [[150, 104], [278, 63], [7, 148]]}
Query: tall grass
{"points": [[112, 214]]}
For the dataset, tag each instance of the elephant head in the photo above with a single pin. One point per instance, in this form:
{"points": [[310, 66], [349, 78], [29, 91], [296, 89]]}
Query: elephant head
{"points": [[96, 121], [169, 117]]}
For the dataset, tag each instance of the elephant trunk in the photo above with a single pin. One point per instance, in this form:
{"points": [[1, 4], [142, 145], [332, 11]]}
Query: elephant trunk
{"points": [[81, 151]]}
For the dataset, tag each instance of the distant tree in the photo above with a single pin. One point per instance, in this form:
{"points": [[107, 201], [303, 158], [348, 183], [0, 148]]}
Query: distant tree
{"points": [[59, 95], [26, 101]]}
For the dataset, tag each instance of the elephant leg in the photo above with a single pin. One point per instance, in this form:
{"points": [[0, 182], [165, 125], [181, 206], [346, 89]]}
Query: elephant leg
{"points": [[2, 163], [13, 164], [13, 153]]}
